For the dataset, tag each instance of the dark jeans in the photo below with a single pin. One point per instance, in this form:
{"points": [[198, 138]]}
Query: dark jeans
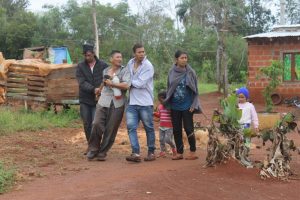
{"points": [[87, 113], [105, 127], [185, 117]]}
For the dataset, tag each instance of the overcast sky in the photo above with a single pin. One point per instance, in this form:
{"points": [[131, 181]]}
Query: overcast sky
{"points": [[36, 5], [134, 5]]}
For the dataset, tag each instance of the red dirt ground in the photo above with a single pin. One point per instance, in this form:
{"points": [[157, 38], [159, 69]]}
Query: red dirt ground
{"points": [[51, 166]]}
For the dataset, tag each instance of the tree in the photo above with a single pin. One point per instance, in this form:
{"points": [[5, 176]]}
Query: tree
{"points": [[217, 15], [293, 11], [17, 27], [259, 19], [13, 6]]}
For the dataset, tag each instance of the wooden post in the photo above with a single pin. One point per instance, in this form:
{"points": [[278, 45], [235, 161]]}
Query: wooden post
{"points": [[95, 28]]}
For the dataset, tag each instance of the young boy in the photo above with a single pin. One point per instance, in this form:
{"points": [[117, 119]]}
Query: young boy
{"points": [[249, 115], [165, 126]]}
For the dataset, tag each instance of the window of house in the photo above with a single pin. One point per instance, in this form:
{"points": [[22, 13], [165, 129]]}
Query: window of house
{"points": [[291, 70]]}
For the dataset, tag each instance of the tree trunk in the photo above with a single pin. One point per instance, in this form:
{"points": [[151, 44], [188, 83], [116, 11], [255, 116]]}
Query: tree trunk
{"points": [[96, 35], [218, 60], [225, 73]]}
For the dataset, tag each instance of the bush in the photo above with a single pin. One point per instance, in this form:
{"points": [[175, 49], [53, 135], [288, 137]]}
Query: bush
{"points": [[7, 178], [159, 85]]}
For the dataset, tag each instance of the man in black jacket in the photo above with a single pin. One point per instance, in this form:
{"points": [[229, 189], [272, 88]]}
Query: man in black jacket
{"points": [[89, 74]]}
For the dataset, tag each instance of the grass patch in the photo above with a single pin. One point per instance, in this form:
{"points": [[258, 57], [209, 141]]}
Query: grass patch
{"points": [[14, 121], [212, 87], [7, 178], [207, 87]]}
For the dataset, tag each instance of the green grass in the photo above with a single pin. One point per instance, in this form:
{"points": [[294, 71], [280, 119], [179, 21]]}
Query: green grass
{"points": [[207, 88], [212, 87], [203, 87], [14, 121], [7, 178]]}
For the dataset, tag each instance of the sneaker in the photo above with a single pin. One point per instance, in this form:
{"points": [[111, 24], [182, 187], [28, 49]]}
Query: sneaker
{"points": [[91, 155], [162, 154], [150, 157], [134, 158], [101, 156], [177, 157], [192, 156]]}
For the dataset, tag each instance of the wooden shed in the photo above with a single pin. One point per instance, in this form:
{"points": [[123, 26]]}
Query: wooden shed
{"points": [[282, 43]]}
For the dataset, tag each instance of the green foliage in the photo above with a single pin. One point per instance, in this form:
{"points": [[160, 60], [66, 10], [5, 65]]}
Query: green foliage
{"points": [[293, 11], [7, 178], [259, 19], [11, 121], [71, 25], [247, 132], [159, 85], [274, 74], [237, 58], [231, 112]]}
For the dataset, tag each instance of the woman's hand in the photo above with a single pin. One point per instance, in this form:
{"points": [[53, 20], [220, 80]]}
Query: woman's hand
{"points": [[192, 110]]}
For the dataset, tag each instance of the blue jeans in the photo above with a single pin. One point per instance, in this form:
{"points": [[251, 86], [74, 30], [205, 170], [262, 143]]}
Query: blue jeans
{"points": [[135, 114]]}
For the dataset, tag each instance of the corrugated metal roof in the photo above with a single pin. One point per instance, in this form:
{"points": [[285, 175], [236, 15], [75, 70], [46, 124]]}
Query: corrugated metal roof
{"points": [[274, 35]]}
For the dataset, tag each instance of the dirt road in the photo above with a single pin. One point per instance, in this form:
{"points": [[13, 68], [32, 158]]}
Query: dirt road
{"points": [[51, 166]]}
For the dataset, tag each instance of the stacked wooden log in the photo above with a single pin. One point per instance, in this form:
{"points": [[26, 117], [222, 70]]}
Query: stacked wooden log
{"points": [[37, 81]]}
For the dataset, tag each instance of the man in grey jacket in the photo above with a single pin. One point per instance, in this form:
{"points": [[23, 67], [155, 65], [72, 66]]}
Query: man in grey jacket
{"points": [[110, 108], [89, 75]]}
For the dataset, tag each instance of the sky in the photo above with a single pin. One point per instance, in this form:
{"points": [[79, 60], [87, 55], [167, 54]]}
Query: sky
{"points": [[134, 5], [36, 5]]}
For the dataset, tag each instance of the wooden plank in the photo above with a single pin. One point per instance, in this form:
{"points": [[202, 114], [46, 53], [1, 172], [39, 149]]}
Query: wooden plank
{"points": [[30, 83], [35, 83], [13, 96], [33, 88], [15, 85], [33, 77], [69, 72], [16, 90], [20, 65], [23, 71], [9, 93], [13, 80], [15, 75], [39, 94], [68, 101], [36, 78]]}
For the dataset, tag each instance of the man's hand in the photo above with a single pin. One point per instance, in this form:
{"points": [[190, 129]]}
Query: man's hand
{"points": [[108, 83], [97, 91]]}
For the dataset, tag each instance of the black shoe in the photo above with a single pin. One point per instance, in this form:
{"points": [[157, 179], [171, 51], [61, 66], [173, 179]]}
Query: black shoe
{"points": [[134, 158], [91, 155], [150, 157], [101, 156]]}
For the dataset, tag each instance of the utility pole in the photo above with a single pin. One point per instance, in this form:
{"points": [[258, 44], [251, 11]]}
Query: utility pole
{"points": [[95, 28], [282, 12]]}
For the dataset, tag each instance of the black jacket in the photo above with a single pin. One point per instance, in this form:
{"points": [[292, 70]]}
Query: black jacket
{"points": [[88, 81]]}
